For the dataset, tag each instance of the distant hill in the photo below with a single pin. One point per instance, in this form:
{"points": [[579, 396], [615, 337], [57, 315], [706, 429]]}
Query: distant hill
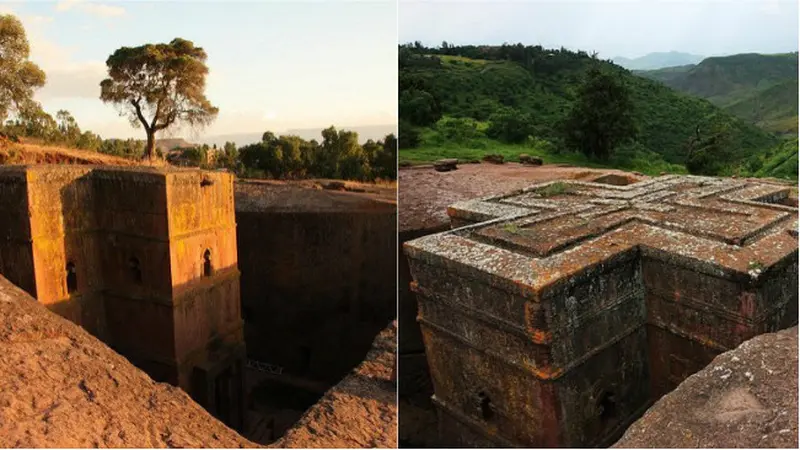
{"points": [[657, 60], [470, 83], [166, 145], [761, 89], [365, 132]]}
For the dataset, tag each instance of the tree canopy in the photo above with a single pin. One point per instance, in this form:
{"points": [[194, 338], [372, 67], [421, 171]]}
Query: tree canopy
{"points": [[602, 115], [339, 155], [159, 85], [19, 77]]}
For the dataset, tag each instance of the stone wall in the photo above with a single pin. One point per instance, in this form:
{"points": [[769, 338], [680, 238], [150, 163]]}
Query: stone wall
{"points": [[358, 412], [143, 258], [317, 283]]}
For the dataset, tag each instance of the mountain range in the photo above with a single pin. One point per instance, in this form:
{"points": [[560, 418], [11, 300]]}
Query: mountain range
{"points": [[761, 89], [657, 60], [449, 100]]}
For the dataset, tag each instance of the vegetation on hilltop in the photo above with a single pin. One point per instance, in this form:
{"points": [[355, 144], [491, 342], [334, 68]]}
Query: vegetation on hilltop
{"points": [[452, 96], [157, 86], [339, 155], [760, 89]]}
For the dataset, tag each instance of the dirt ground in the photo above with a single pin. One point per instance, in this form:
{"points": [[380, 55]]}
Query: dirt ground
{"points": [[425, 194], [313, 195], [360, 411]]}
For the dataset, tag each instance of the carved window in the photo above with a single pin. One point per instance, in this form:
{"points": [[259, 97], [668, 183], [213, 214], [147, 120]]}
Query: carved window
{"points": [[72, 277], [207, 267], [135, 270], [485, 408], [607, 406]]}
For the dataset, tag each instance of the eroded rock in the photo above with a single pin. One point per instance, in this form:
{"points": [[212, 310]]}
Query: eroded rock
{"points": [[746, 398], [445, 165], [62, 387]]}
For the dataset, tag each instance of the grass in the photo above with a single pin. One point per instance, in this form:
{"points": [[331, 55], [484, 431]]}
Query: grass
{"points": [[462, 60], [434, 146], [554, 189]]}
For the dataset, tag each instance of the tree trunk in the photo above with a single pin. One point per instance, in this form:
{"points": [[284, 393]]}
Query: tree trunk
{"points": [[149, 151]]}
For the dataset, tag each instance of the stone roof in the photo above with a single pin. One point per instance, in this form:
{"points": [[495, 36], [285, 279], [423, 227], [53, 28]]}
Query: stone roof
{"points": [[532, 239]]}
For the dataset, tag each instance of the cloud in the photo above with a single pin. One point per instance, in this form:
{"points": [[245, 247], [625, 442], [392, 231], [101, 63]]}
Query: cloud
{"points": [[91, 8], [73, 81], [66, 78]]}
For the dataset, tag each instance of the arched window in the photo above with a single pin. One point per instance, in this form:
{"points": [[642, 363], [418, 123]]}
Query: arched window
{"points": [[135, 270], [607, 406], [72, 278], [207, 269], [485, 406]]}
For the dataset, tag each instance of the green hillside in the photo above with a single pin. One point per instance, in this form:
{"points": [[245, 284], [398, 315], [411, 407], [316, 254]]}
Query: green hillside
{"points": [[448, 98], [778, 162], [761, 89]]}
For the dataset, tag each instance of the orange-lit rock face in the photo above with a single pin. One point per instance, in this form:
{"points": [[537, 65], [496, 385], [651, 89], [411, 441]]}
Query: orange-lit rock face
{"points": [[143, 258], [557, 313]]}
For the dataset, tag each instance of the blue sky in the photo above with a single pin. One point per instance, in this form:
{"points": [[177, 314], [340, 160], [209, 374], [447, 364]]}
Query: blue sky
{"points": [[273, 65], [629, 28]]}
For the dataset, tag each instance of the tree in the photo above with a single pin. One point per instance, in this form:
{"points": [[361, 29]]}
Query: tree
{"points": [[18, 76], [343, 157], [37, 123], [408, 135], [602, 115], [89, 141], [68, 127], [385, 162], [158, 85], [708, 154], [419, 107], [510, 125], [291, 152], [228, 158]]}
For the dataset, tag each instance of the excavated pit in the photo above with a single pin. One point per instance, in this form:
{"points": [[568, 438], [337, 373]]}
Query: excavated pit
{"points": [[317, 287], [118, 250]]}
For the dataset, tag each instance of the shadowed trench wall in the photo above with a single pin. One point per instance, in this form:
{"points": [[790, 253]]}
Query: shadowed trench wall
{"points": [[318, 280]]}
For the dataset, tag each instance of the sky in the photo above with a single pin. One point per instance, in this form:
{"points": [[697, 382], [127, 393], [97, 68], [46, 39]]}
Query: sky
{"points": [[628, 28], [272, 65]]}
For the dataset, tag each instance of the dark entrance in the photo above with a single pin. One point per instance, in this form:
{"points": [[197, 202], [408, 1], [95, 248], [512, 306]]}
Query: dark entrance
{"points": [[220, 390]]}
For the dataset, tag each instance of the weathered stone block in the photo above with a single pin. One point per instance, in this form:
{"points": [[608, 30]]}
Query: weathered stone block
{"points": [[144, 258], [554, 315], [445, 165]]}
